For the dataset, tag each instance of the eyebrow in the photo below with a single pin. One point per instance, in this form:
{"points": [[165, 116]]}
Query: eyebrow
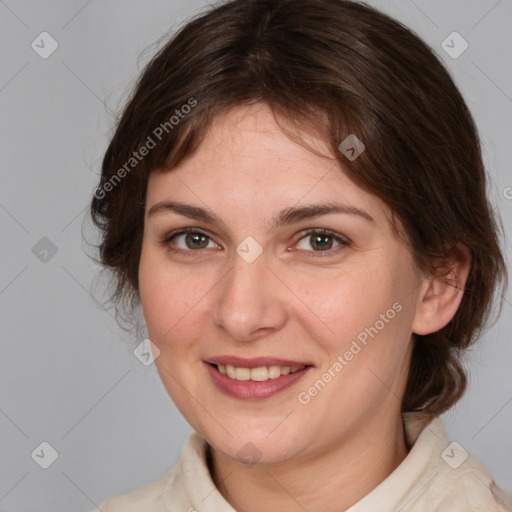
{"points": [[284, 217]]}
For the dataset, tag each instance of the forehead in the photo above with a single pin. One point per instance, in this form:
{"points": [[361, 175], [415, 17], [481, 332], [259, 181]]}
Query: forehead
{"points": [[247, 162]]}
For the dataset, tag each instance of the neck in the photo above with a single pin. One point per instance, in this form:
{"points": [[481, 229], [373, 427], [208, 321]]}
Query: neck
{"points": [[347, 470]]}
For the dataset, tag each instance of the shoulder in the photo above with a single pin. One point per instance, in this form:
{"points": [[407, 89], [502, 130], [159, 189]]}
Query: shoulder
{"points": [[173, 490], [146, 497], [463, 489], [453, 480]]}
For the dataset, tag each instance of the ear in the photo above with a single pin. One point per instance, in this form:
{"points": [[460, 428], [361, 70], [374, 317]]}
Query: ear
{"points": [[442, 292]]}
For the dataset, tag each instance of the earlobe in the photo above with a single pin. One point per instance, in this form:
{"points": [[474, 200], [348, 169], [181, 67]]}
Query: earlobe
{"points": [[441, 293]]}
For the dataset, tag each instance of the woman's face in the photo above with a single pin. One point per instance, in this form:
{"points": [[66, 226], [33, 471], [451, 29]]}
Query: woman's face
{"points": [[258, 286]]}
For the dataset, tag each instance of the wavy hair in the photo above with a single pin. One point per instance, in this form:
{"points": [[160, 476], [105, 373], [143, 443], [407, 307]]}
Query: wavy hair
{"points": [[337, 67]]}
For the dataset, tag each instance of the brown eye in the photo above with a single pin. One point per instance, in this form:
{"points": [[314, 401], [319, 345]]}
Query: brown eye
{"points": [[321, 241], [188, 241], [196, 240]]}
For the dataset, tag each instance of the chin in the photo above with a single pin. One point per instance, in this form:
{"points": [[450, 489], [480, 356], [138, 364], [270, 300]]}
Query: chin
{"points": [[258, 447]]}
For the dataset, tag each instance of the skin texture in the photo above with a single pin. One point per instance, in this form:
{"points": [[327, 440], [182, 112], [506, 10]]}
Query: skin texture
{"points": [[295, 301]]}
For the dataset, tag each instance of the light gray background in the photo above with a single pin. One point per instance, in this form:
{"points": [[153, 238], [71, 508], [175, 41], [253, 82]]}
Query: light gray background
{"points": [[67, 374]]}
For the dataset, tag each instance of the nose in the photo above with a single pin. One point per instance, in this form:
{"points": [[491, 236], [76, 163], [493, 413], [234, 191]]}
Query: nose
{"points": [[249, 301]]}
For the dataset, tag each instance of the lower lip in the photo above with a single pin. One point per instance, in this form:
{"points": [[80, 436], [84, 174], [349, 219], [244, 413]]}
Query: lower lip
{"points": [[250, 389]]}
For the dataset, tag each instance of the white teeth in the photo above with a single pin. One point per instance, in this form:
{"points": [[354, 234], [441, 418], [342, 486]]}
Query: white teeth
{"points": [[230, 371], [259, 374], [242, 374], [274, 372]]}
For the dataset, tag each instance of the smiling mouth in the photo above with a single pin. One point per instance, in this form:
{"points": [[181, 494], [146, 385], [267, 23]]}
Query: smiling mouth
{"points": [[258, 374]]}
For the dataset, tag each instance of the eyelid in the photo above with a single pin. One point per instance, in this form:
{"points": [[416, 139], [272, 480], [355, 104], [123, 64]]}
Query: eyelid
{"points": [[342, 240], [165, 240], [325, 231]]}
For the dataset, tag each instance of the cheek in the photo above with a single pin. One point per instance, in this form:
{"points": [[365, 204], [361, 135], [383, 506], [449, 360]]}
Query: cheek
{"points": [[345, 304], [157, 295], [363, 315], [171, 299]]}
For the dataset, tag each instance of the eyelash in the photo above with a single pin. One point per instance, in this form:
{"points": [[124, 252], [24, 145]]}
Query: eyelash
{"points": [[166, 240]]}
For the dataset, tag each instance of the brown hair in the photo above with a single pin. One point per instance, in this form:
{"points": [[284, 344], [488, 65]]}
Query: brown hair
{"points": [[340, 68]]}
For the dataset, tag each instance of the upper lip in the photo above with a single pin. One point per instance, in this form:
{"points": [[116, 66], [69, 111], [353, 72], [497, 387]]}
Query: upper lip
{"points": [[254, 362]]}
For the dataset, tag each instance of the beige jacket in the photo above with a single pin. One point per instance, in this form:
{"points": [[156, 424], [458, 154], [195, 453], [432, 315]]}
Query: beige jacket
{"points": [[436, 476]]}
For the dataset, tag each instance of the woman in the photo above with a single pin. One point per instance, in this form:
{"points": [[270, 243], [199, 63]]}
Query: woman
{"points": [[295, 195]]}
